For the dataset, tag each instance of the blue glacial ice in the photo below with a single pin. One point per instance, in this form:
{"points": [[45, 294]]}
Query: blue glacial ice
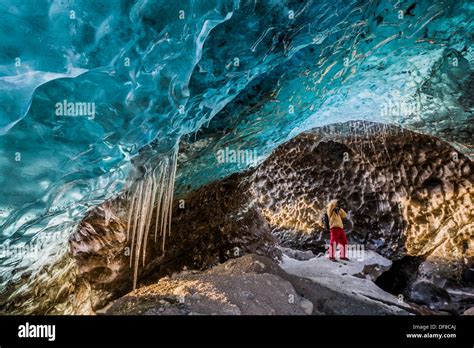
{"points": [[215, 74]]}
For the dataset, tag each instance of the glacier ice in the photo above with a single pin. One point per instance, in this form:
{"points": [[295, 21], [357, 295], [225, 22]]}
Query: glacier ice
{"points": [[209, 75]]}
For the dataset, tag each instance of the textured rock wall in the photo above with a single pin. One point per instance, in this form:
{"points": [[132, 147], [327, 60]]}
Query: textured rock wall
{"points": [[406, 193], [208, 227]]}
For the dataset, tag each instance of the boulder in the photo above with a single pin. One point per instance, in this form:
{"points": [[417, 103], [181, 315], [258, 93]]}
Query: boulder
{"points": [[469, 311], [248, 285], [428, 294]]}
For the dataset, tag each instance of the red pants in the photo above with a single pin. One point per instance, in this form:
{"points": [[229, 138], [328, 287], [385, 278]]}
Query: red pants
{"points": [[337, 237]]}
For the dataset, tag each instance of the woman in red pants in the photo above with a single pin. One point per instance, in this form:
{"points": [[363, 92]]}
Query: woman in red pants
{"points": [[338, 236]]}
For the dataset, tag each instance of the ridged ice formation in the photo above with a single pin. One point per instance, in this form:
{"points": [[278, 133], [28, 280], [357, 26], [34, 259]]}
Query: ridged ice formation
{"points": [[153, 193], [237, 74]]}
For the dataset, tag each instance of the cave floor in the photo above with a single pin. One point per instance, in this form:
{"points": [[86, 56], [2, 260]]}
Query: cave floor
{"points": [[257, 285], [353, 278]]}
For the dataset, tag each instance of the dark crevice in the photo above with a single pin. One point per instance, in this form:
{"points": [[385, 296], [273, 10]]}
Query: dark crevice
{"points": [[402, 273]]}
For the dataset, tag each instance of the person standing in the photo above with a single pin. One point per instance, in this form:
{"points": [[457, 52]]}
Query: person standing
{"points": [[338, 237]]}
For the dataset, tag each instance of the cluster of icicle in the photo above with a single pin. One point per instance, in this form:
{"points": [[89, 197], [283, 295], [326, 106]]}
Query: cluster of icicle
{"points": [[152, 193]]}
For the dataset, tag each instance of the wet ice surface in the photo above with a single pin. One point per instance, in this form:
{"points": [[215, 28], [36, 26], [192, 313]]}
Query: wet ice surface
{"points": [[340, 276], [262, 71]]}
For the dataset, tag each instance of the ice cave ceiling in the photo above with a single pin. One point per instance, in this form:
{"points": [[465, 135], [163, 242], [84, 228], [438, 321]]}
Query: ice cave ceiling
{"points": [[206, 74]]}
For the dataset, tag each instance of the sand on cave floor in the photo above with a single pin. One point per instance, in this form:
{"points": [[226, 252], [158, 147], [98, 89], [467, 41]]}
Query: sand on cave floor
{"points": [[248, 285]]}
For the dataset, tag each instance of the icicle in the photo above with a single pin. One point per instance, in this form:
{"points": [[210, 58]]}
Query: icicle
{"points": [[171, 192], [160, 181], [157, 187], [137, 214], [107, 212], [145, 209], [154, 185], [130, 213]]}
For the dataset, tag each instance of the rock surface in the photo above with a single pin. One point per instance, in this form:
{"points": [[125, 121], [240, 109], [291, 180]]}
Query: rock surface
{"points": [[430, 295], [208, 229], [249, 285], [469, 311], [298, 254], [406, 193], [210, 225], [257, 285], [408, 196], [359, 294]]}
